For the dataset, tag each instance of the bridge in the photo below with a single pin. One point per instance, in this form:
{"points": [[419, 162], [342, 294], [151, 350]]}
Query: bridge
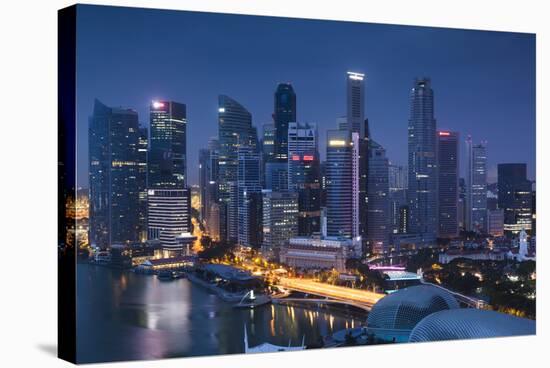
{"points": [[461, 298], [318, 301], [335, 294]]}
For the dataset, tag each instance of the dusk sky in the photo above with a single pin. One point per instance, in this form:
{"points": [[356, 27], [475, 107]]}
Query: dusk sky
{"points": [[483, 82]]}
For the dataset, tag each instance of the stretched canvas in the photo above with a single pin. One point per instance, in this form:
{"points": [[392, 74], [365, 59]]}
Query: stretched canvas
{"points": [[236, 184]]}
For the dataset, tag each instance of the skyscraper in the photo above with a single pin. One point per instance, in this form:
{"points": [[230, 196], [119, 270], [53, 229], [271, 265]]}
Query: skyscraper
{"points": [[142, 183], [208, 186], [378, 210], [515, 197], [114, 176], [339, 183], [422, 191], [355, 102], [249, 197], [268, 142], [234, 130], [167, 159], [168, 199], [204, 163], [362, 170], [462, 204], [447, 165], [168, 216], [304, 175], [476, 187], [397, 183], [284, 113], [280, 218]]}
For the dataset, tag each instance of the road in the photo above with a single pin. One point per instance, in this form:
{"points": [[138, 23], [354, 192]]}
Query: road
{"points": [[365, 297]]}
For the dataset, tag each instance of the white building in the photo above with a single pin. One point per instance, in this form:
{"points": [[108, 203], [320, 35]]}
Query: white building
{"points": [[318, 252]]}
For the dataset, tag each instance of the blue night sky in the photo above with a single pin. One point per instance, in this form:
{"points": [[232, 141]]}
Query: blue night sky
{"points": [[484, 82]]}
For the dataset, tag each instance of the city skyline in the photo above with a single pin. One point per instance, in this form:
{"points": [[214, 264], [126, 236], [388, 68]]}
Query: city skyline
{"points": [[490, 96]]}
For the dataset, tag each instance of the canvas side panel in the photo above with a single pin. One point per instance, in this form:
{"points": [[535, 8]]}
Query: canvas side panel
{"points": [[66, 125]]}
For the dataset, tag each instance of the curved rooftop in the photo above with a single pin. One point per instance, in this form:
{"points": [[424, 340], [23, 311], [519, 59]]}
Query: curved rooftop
{"points": [[403, 309], [470, 324]]}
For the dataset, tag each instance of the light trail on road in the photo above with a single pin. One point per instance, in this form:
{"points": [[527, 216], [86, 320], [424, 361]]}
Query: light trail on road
{"points": [[337, 292]]}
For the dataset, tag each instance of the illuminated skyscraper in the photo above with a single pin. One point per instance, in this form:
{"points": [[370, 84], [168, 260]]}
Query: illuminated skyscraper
{"points": [[280, 218], [249, 197], [167, 161], [447, 165], [422, 183], [204, 163], [397, 183], [355, 115], [378, 210], [515, 198], [168, 215], [114, 175], [234, 130], [168, 199], [304, 175], [142, 183], [284, 113], [339, 183], [268, 142], [476, 187]]}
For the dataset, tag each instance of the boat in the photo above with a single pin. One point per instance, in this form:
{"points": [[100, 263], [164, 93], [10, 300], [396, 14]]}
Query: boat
{"points": [[165, 275]]}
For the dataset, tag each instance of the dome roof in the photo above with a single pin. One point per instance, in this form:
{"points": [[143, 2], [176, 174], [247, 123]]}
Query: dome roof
{"points": [[403, 309], [470, 324]]}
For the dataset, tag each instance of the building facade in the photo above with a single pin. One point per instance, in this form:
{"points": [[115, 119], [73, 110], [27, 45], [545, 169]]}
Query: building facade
{"points": [[168, 198], [280, 218], [234, 130], [249, 197], [339, 183], [284, 113], [304, 175], [355, 107], [378, 210], [317, 252], [114, 176], [495, 222], [168, 215], [515, 197], [167, 156], [422, 164], [448, 166], [476, 187]]}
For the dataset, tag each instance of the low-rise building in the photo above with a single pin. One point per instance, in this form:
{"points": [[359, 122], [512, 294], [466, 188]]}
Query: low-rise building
{"points": [[318, 252], [473, 254]]}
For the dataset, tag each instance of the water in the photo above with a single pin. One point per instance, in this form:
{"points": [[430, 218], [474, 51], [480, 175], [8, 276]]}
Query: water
{"points": [[125, 316]]}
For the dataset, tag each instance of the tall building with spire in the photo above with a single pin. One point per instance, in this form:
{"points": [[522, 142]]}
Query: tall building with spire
{"points": [[422, 164]]}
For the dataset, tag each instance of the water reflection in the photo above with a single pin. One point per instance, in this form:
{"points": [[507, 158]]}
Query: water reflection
{"points": [[124, 316]]}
